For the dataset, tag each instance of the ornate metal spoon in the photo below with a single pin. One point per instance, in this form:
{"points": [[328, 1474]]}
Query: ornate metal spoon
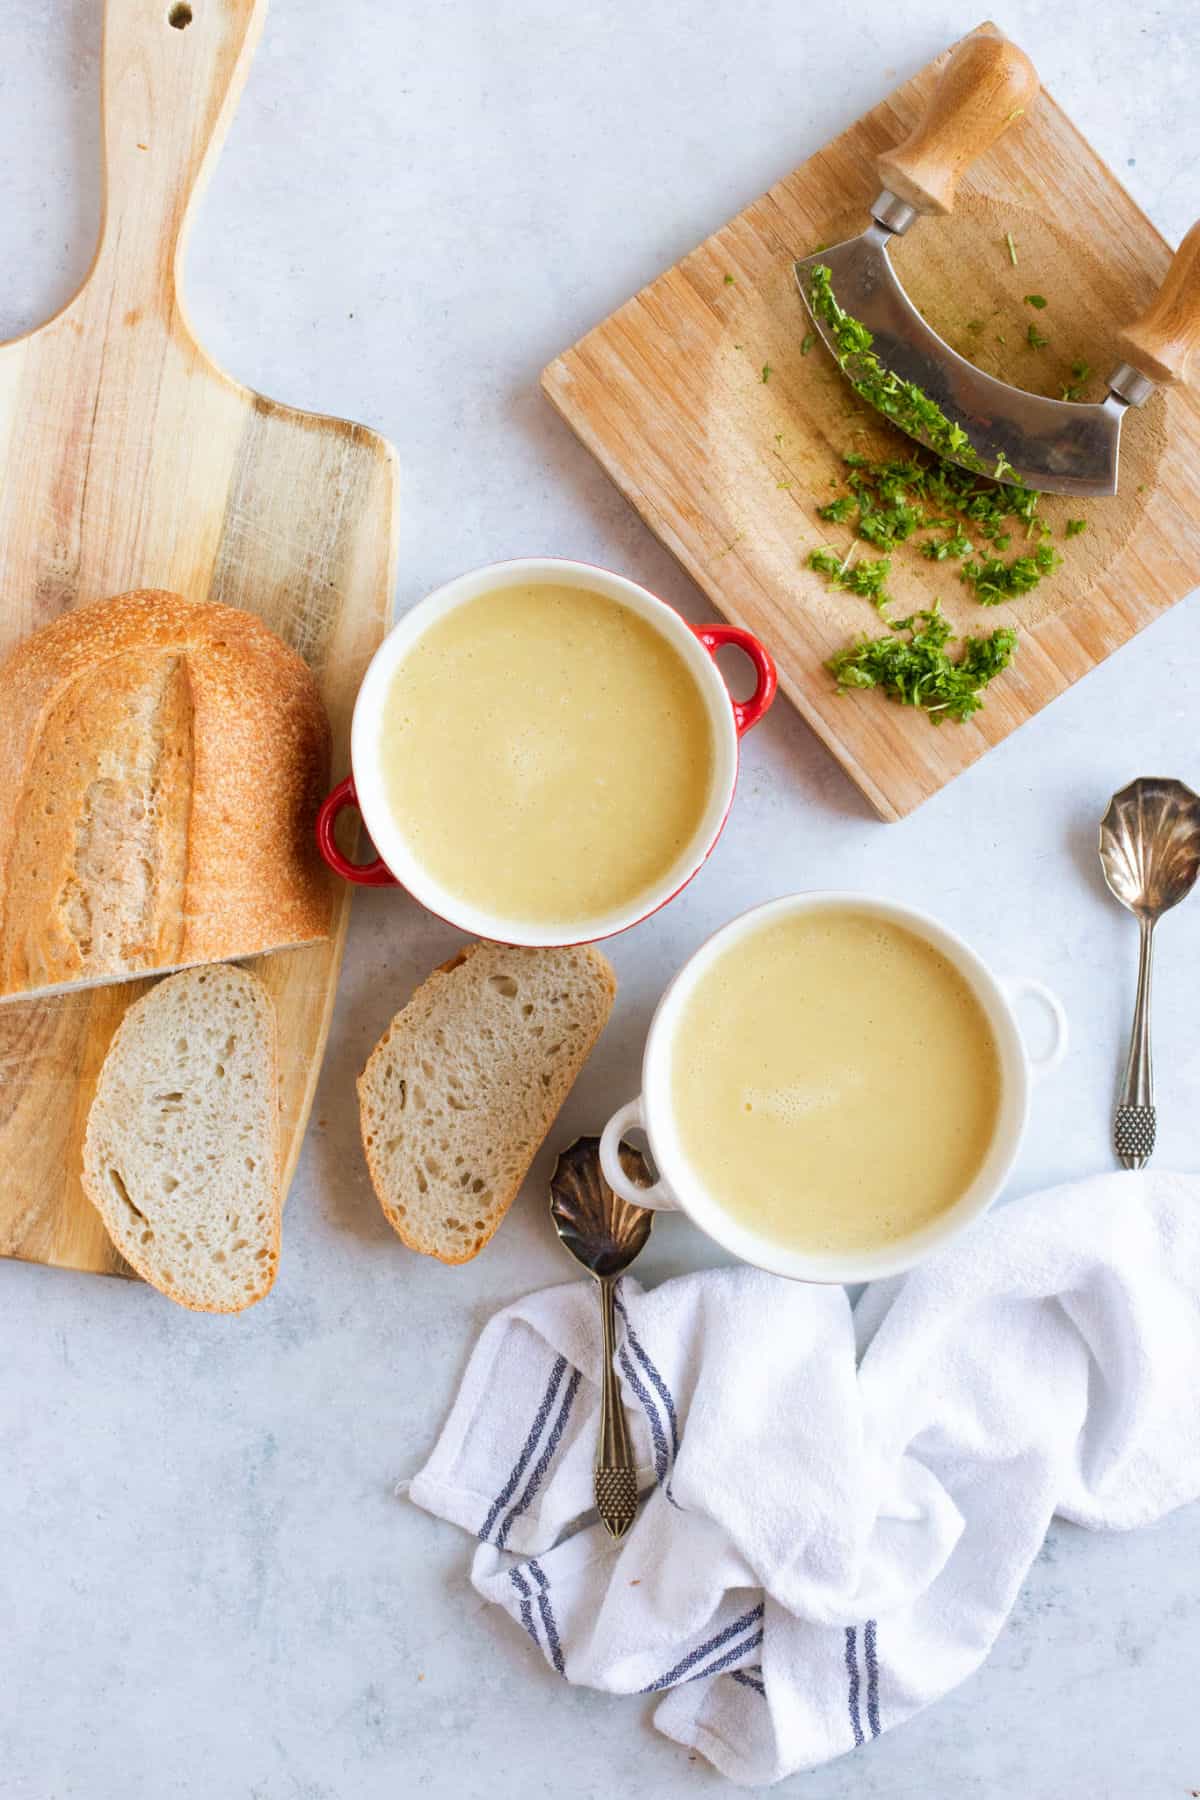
{"points": [[1150, 854], [604, 1233]]}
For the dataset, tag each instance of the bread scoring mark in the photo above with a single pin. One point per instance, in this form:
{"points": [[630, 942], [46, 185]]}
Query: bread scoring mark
{"points": [[120, 902]]}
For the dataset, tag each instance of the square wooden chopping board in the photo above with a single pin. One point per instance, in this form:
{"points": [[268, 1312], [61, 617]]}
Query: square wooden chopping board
{"points": [[701, 402]]}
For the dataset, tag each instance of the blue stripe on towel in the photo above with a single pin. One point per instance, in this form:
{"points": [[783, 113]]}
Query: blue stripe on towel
{"points": [[556, 1655], [872, 1662], [651, 1411], [543, 1461], [852, 1674], [751, 1678], [706, 1649], [523, 1588], [730, 1656], [530, 1445], [652, 1373]]}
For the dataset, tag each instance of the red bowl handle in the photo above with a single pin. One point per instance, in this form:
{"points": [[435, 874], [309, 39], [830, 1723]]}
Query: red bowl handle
{"points": [[372, 874], [745, 712]]}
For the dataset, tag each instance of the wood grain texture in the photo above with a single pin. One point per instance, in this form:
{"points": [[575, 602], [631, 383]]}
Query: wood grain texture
{"points": [[1162, 342], [129, 459], [985, 87], [729, 470]]}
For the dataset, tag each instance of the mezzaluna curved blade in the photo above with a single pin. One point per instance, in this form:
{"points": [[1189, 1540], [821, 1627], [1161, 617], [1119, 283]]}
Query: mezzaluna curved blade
{"points": [[1058, 446]]}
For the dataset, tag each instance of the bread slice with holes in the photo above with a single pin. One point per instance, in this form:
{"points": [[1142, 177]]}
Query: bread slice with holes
{"points": [[463, 1086], [181, 1153]]}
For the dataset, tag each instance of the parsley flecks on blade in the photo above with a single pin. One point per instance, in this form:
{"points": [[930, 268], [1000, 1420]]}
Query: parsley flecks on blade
{"points": [[911, 665], [903, 402]]}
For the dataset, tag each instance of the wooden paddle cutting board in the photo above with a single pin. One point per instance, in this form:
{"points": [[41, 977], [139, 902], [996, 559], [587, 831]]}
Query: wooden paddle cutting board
{"points": [[700, 400], [128, 460]]}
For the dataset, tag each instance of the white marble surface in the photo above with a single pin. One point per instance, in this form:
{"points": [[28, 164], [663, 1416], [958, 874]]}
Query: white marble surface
{"points": [[206, 1584]]}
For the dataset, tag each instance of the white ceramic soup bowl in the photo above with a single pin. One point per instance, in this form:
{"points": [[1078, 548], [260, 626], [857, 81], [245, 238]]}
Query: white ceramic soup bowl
{"points": [[679, 1188], [366, 788]]}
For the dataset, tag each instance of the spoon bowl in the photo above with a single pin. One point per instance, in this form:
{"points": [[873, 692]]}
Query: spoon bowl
{"points": [[601, 1231], [1150, 845]]}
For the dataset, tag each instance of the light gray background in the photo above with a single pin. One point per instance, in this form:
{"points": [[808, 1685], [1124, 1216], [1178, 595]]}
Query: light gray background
{"points": [[207, 1586]]}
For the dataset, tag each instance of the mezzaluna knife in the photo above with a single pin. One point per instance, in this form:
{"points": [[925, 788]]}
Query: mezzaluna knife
{"points": [[1062, 447]]}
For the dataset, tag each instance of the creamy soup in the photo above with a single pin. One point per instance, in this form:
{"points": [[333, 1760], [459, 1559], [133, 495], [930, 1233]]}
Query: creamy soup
{"points": [[548, 755], [834, 1081]]}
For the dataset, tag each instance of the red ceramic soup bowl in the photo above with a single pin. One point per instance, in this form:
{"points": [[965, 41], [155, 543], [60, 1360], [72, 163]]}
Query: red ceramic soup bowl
{"points": [[366, 786]]}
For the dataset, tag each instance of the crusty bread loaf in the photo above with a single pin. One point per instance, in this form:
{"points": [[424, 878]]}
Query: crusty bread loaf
{"points": [[463, 1086], [181, 1154], [161, 762]]}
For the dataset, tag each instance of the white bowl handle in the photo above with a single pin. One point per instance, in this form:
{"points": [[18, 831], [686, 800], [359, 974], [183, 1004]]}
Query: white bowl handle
{"points": [[658, 1198], [1017, 988]]}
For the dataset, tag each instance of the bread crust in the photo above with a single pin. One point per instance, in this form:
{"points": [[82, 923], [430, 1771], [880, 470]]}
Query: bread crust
{"points": [[410, 1019], [222, 725]]}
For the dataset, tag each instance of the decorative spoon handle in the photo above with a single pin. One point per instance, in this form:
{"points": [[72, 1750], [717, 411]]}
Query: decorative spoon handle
{"points": [[615, 1474], [1134, 1120]]}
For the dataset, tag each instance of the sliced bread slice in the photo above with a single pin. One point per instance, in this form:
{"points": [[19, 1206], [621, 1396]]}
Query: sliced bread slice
{"points": [[181, 1154], [463, 1086]]}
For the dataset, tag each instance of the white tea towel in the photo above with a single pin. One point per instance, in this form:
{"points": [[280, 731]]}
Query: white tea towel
{"points": [[830, 1544]]}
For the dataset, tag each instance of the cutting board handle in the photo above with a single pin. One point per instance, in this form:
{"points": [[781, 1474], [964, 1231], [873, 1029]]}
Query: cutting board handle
{"points": [[1161, 341], [986, 85], [172, 73]]}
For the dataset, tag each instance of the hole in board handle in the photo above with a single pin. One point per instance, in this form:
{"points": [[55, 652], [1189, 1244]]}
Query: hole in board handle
{"points": [[179, 16]]}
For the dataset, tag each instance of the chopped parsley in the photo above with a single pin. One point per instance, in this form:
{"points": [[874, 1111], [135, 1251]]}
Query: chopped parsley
{"points": [[1080, 371], [731, 281], [956, 544], [953, 502], [911, 665], [887, 525], [898, 496], [766, 372], [994, 580], [1012, 248], [809, 339], [838, 511], [865, 578]]}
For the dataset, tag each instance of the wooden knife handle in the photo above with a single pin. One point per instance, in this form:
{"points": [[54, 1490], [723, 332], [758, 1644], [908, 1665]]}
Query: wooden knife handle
{"points": [[984, 88], [172, 73], [1160, 342]]}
